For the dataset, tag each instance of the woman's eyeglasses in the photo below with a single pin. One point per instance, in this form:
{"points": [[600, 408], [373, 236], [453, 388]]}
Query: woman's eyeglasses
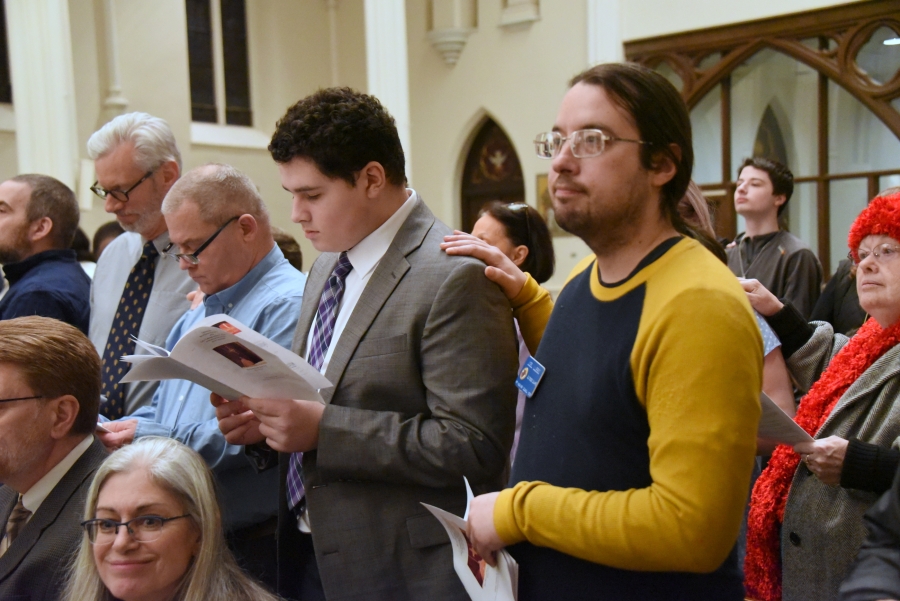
{"points": [[883, 253], [143, 529]]}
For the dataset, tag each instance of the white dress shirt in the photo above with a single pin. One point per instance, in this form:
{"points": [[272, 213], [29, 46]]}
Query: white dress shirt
{"points": [[41, 489], [364, 257], [167, 302]]}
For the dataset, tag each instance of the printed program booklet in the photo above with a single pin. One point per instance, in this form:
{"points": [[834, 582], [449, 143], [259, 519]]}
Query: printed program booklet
{"points": [[225, 356]]}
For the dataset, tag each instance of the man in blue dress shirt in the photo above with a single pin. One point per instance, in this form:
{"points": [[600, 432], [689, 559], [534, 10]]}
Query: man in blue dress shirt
{"points": [[38, 219], [222, 236]]}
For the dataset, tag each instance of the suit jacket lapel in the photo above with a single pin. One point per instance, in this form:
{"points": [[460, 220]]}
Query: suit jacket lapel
{"points": [[391, 269], [50, 509]]}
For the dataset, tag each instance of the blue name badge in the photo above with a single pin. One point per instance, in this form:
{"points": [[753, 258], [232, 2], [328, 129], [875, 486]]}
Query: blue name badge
{"points": [[530, 376]]}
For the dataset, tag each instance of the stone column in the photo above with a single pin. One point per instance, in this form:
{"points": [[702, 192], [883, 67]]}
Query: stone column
{"points": [[387, 64], [43, 82], [604, 32]]}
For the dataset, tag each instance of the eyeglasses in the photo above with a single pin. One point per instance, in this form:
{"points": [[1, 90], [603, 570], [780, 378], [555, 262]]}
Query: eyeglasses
{"points": [[120, 195], [585, 143], [521, 206], [192, 257], [883, 253], [22, 398], [143, 529]]}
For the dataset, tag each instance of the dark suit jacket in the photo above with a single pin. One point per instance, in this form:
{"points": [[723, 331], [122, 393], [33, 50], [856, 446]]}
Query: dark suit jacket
{"points": [[423, 395], [34, 567]]}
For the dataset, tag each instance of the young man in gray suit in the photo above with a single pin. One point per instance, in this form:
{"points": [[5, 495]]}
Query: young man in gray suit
{"points": [[420, 348], [49, 392]]}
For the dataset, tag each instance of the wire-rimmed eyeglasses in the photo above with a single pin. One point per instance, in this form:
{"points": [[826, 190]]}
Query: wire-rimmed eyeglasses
{"points": [[883, 253], [143, 528], [585, 143], [192, 257], [120, 195]]}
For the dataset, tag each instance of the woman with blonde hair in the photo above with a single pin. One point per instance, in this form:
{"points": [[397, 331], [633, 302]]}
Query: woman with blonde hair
{"points": [[153, 531]]}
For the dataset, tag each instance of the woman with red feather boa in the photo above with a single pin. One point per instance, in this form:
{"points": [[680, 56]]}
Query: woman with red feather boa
{"points": [[805, 523]]}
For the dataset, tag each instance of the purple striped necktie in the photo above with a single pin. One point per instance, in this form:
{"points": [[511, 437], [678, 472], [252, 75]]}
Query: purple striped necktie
{"points": [[323, 331]]}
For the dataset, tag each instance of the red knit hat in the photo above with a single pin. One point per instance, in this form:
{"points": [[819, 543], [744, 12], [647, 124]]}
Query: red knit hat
{"points": [[881, 217]]}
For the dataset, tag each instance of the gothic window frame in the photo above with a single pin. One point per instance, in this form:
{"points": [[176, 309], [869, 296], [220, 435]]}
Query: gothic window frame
{"points": [[841, 31]]}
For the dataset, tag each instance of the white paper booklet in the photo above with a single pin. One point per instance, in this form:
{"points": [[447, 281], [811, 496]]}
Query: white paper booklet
{"points": [[228, 358], [481, 581], [775, 424]]}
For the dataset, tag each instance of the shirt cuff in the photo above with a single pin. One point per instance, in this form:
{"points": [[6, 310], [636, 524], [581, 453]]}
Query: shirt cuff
{"points": [[528, 293], [792, 329], [504, 513], [148, 428], [869, 467]]}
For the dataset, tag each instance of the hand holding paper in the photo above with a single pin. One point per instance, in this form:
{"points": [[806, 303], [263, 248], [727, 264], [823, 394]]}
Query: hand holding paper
{"points": [[484, 580]]}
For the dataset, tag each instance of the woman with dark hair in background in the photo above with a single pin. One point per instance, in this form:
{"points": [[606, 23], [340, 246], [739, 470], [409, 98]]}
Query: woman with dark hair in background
{"points": [[521, 233]]}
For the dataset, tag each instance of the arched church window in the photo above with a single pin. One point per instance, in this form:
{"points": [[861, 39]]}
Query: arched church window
{"points": [[818, 90], [5, 81], [492, 172], [217, 56]]}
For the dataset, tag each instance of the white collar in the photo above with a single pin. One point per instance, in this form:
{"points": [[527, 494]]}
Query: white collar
{"points": [[368, 251], [36, 495]]}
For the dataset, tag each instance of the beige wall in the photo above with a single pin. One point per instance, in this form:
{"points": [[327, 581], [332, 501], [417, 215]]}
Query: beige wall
{"points": [[649, 18], [515, 75]]}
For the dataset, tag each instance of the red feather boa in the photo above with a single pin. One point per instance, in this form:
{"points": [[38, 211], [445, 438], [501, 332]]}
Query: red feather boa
{"points": [[762, 565]]}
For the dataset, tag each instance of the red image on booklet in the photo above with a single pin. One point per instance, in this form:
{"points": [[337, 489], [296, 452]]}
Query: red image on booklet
{"points": [[476, 562]]}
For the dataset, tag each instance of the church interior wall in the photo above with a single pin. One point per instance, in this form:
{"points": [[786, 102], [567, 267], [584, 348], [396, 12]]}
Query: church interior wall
{"points": [[514, 74]]}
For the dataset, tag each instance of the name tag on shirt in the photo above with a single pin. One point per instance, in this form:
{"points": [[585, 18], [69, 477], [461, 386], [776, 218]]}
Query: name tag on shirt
{"points": [[530, 376]]}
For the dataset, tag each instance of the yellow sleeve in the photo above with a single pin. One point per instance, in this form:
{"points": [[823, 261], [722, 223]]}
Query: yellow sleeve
{"points": [[532, 308], [699, 377]]}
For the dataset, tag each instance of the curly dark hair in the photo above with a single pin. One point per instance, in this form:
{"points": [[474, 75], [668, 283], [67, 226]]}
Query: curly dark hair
{"points": [[341, 131]]}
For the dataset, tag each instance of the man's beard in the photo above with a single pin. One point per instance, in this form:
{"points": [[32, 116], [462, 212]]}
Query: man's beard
{"points": [[17, 250], [18, 457], [604, 228], [142, 223]]}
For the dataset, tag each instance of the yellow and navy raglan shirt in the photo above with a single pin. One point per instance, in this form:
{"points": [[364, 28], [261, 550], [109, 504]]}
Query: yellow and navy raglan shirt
{"points": [[636, 449]]}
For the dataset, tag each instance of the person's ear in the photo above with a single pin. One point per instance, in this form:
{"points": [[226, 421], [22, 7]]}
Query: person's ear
{"points": [[63, 412], [779, 200], [249, 226], [373, 178], [664, 167], [40, 228], [519, 254], [169, 172]]}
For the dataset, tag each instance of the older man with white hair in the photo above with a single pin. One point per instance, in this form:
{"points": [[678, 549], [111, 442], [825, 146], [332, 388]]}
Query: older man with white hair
{"points": [[136, 291], [223, 238]]}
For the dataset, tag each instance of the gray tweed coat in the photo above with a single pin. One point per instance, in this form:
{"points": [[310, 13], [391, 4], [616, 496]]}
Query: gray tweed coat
{"points": [[823, 527]]}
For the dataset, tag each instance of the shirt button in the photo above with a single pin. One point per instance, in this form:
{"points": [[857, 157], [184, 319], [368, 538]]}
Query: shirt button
{"points": [[795, 539], [230, 305]]}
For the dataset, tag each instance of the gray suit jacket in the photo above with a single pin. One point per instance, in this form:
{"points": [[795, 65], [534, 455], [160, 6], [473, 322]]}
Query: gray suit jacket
{"points": [[34, 567], [423, 395]]}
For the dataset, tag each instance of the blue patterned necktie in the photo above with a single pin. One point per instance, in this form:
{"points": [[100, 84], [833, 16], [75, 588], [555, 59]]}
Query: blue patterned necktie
{"points": [[126, 323], [326, 316]]}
